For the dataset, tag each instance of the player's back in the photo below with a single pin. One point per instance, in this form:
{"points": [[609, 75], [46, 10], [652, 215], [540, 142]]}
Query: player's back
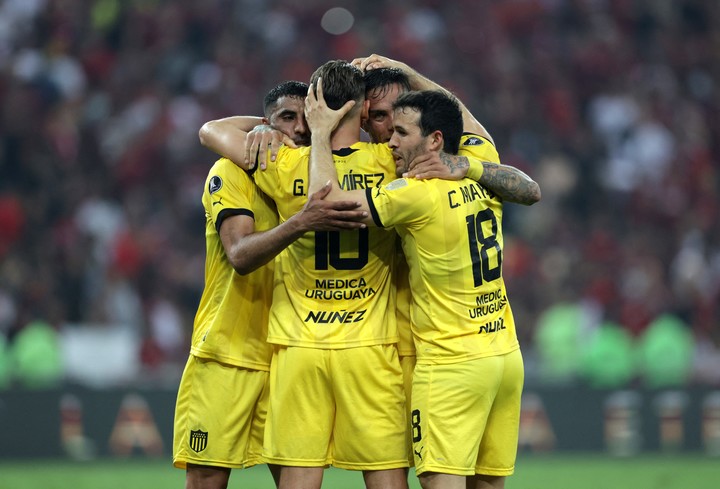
{"points": [[452, 238], [332, 289]]}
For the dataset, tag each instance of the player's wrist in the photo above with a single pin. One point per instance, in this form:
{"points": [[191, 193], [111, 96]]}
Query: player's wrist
{"points": [[297, 224], [320, 134], [475, 169]]}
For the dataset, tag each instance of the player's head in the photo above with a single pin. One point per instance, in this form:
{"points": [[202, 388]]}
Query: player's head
{"points": [[382, 88], [284, 108], [341, 82], [424, 121]]}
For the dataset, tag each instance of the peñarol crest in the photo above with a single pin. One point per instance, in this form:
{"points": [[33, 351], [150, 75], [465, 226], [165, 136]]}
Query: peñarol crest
{"points": [[198, 440]]}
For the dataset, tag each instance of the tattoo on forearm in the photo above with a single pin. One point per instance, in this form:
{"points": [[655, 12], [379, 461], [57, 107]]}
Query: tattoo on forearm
{"points": [[509, 183]]}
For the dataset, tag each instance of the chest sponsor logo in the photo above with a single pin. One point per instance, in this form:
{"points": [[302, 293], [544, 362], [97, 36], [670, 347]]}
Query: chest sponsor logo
{"points": [[340, 290]]}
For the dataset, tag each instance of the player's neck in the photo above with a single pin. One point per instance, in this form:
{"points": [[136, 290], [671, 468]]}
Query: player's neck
{"points": [[346, 134]]}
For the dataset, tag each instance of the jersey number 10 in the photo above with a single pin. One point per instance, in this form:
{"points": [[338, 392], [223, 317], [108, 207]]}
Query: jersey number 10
{"points": [[327, 250]]}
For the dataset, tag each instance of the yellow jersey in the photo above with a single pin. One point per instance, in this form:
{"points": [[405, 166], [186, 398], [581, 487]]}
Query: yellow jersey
{"points": [[403, 297], [332, 289], [452, 237], [470, 145], [231, 322]]}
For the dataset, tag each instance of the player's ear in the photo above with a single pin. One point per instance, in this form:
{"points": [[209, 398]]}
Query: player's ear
{"points": [[365, 110], [436, 140]]}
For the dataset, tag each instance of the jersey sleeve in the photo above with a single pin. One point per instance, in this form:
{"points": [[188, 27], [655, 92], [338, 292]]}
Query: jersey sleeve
{"points": [[228, 192], [478, 147], [396, 203]]}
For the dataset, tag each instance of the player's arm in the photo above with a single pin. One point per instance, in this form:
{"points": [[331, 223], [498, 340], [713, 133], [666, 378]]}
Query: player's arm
{"points": [[322, 121], [247, 250], [243, 139], [420, 82], [505, 181], [226, 137]]}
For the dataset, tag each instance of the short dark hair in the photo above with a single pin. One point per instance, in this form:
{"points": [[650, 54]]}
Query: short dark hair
{"points": [[341, 83], [290, 88], [379, 81], [438, 112]]}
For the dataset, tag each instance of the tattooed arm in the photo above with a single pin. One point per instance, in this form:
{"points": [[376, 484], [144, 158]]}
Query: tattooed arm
{"points": [[505, 181], [509, 183]]}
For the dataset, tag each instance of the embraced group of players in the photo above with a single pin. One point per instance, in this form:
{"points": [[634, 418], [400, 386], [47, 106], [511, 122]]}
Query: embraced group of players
{"points": [[354, 311]]}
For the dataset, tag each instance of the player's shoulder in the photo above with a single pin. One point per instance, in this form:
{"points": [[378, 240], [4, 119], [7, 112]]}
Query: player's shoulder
{"points": [[224, 168], [377, 155], [381, 149], [411, 186], [224, 172], [479, 147], [286, 153]]}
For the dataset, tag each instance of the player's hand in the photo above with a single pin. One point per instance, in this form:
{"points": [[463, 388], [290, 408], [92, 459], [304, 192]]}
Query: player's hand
{"points": [[437, 165], [376, 61], [262, 139], [327, 215], [322, 119]]}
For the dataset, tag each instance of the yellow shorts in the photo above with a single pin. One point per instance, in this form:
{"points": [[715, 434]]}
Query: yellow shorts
{"points": [[220, 415], [407, 364], [345, 407], [466, 416]]}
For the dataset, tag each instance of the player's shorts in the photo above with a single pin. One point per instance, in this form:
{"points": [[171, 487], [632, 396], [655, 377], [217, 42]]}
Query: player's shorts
{"points": [[466, 416], [407, 364], [220, 415], [345, 407]]}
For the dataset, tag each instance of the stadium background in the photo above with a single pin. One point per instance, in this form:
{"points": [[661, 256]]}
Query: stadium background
{"points": [[614, 277]]}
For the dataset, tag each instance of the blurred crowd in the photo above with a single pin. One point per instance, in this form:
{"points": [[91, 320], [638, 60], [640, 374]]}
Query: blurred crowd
{"points": [[611, 105]]}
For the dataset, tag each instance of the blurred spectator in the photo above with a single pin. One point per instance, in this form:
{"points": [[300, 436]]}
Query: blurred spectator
{"points": [[558, 341], [665, 353], [609, 360], [35, 356]]}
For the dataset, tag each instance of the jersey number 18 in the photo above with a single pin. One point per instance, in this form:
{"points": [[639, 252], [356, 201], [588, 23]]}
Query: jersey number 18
{"points": [[481, 244]]}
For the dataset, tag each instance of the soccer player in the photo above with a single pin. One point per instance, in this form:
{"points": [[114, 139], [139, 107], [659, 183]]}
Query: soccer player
{"points": [[468, 380], [336, 387], [222, 398], [383, 85], [385, 81]]}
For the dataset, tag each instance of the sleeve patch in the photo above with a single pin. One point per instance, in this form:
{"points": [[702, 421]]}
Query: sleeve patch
{"points": [[396, 184], [215, 184], [473, 141]]}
